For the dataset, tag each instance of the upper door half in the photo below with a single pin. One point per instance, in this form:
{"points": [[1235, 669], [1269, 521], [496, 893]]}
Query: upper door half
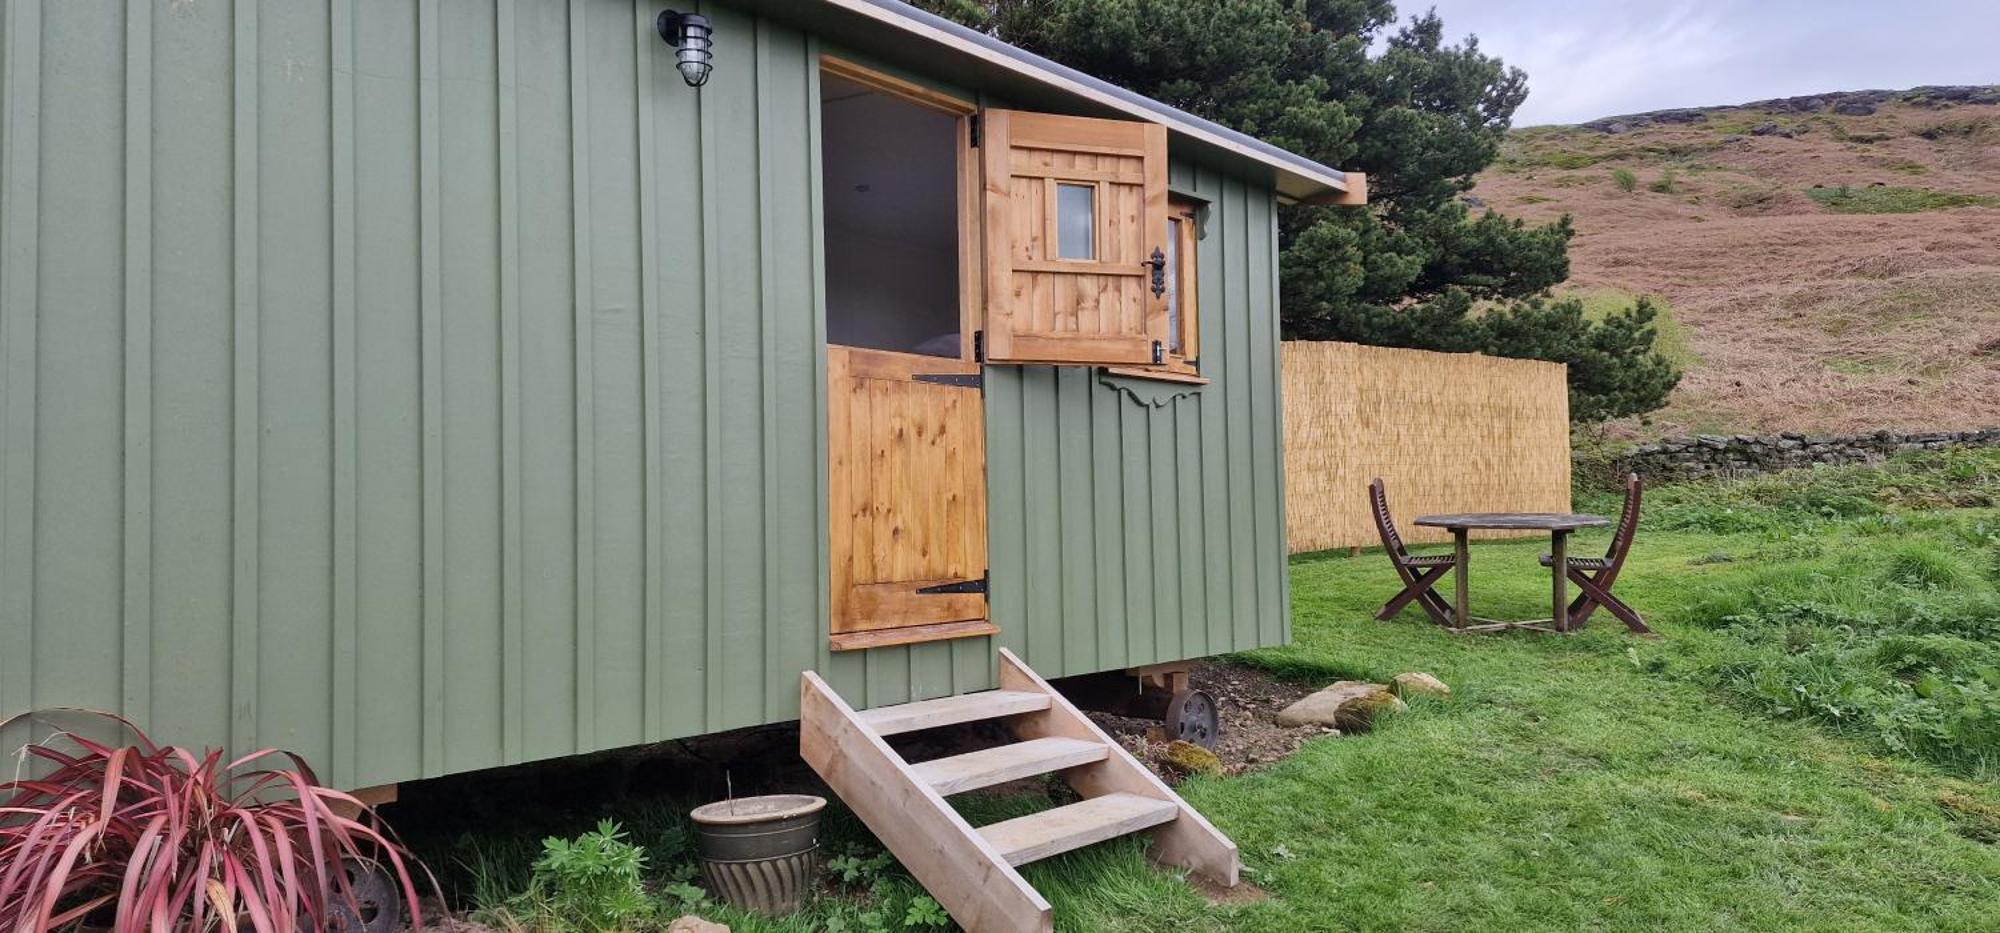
{"points": [[1075, 219]]}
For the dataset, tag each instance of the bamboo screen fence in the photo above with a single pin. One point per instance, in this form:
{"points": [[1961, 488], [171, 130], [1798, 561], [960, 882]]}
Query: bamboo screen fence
{"points": [[1446, 432]]}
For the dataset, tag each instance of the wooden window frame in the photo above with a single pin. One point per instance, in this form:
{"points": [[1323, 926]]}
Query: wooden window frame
{"points": [[1184, 214], [971, 258]]}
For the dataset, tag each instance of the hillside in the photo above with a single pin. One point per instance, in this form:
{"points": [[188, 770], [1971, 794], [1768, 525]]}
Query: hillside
{"points": [[1832, 263]]}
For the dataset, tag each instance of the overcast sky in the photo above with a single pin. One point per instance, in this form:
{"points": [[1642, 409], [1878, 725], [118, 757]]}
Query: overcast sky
{"points": [[1594, 58]]}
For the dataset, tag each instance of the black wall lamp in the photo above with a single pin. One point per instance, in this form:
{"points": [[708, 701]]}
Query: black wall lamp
{"points": [[692, 35]]}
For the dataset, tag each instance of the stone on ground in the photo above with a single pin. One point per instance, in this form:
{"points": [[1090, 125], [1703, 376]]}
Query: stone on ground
{"points": [[1418, 683], [1350, 705], [694, 924]]}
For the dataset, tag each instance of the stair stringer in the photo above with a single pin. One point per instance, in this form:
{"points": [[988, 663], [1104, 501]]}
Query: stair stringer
{"points": [[1190, 841], [947, 855]]}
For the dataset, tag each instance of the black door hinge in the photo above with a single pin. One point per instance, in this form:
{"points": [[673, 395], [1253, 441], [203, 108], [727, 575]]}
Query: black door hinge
{"points": [[979, 346], [961, 380], [958, 587], [973, 123], [1159, 353]]}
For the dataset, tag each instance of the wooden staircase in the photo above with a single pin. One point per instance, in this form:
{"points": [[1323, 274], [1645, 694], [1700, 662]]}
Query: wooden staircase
{"points": [[971, 870]]}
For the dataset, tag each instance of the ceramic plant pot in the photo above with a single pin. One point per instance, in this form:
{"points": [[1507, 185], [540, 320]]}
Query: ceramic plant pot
{"points": [[760, 853]]}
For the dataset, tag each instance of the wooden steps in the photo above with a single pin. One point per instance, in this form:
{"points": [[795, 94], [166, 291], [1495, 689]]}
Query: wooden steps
{"points": [[972, 870], [974, 770], [1037, 836], [951, 711]]}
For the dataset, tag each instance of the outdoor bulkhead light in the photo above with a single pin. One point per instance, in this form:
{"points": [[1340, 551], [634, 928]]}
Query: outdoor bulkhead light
{"points": [[691, 34]]}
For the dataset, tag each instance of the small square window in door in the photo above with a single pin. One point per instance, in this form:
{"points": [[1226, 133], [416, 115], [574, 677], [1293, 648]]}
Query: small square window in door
{"points": [[1076, 221]]}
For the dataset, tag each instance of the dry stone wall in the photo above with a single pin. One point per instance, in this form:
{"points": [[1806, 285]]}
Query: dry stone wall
{"points": [[1705, 455]]}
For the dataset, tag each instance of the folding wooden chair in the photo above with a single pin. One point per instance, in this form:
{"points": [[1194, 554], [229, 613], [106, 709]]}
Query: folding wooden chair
{"points": [[1595, 575], [1419, 574]]}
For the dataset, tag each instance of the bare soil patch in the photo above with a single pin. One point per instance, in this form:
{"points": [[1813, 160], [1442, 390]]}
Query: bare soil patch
{"points": [[1248, 700]]}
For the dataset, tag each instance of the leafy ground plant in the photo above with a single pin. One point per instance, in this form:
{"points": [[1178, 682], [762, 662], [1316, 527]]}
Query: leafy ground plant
{"points": [[595, 882], [144, 837]]}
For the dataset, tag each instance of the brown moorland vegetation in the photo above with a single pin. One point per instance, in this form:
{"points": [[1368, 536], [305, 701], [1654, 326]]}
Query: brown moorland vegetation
{"points": [[1831, 271]]}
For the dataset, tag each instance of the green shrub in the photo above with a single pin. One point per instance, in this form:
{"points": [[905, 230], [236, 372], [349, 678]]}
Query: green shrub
{"points": [[1665, 184], [1624, 179], [592, 883], [1889, 199]]}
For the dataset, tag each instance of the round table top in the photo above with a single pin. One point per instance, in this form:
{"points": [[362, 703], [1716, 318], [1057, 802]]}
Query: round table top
{"points": [[1514, 521]]}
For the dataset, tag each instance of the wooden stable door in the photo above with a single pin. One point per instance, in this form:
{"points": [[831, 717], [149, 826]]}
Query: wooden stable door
{"points": [[906, 446]]}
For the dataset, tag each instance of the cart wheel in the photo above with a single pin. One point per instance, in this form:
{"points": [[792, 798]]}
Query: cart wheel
{"points": [[375, 893], [1191, 717]]}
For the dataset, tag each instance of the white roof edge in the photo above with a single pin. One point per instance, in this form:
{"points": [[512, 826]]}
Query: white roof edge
{"points": [[1305, 174]]}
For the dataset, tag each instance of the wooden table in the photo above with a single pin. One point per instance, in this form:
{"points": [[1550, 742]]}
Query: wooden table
{"points": [[1558, 525]]}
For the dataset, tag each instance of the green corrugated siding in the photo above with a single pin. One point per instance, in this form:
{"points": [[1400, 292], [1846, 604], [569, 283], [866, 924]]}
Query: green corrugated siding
{"points": [[431, 386]]}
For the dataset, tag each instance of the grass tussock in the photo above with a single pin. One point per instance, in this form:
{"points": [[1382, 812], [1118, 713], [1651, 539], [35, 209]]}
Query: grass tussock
{"points": [[1892, 199]]}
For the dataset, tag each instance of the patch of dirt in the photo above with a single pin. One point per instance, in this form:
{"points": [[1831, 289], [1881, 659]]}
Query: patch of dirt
{"points": [[1972, 817], [1244, 892], [1248, 701], [439, 920]]}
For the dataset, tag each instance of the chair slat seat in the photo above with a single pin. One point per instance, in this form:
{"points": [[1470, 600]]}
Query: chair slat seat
{"points": [[1580, 563], [1433, 560]]}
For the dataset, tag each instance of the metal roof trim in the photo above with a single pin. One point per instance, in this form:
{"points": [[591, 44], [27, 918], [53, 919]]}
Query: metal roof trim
{"points": [[937, 28]]}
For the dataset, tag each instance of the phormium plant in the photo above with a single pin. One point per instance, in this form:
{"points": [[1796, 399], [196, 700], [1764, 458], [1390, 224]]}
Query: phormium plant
{"points": [[154, 838]]}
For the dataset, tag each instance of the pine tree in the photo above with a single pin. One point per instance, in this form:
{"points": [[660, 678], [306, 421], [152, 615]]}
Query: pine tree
{"points": [[1420, 116]]}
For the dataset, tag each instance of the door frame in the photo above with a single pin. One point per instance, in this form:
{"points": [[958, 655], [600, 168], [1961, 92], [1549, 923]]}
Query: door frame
{"points": [[972, 303]]}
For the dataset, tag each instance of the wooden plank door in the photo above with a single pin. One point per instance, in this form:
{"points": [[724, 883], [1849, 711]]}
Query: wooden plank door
{"points": [[1075, 219], [906, 446]]}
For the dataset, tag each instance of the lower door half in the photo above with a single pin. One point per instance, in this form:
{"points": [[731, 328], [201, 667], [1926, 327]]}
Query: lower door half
{"points": [[906, 445]]}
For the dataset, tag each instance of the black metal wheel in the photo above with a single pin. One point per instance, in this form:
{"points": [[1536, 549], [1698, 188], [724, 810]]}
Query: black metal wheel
{"points": [[1192, 717], [375, 893]]}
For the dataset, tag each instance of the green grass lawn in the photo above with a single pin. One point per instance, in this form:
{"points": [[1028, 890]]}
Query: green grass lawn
{"points": [[1569, 785], [1805, 749]]}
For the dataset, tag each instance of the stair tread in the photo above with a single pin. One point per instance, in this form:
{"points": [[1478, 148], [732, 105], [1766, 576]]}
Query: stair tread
{"points": [[1051, 832], [987, 767], [951, 710]]}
